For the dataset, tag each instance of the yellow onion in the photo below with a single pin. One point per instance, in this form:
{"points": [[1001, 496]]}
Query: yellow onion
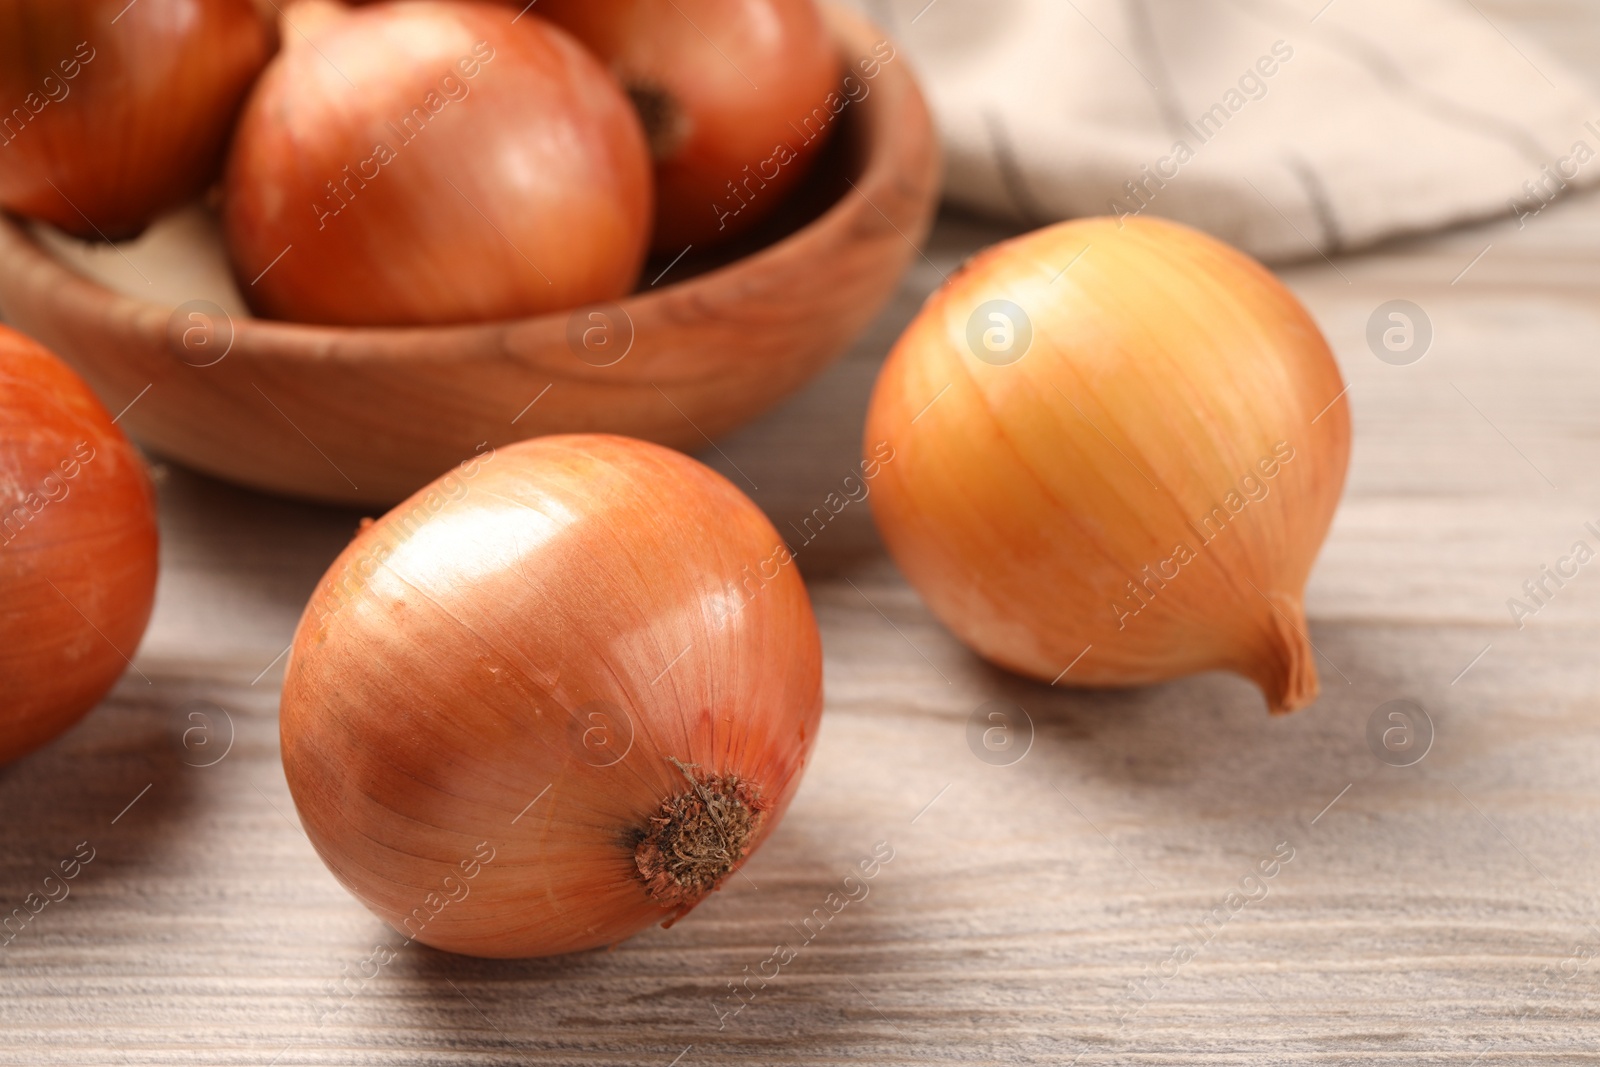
{"points": [[555, 697], [424, 163], [1119, 446]]}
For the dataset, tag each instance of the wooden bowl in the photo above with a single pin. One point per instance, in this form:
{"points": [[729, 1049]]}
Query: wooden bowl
{"points": [[369, 415]]}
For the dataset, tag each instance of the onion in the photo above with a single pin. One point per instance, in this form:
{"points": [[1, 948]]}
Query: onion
{"points": [[1123, 443], [735, 95], [111, 113], [77, 548], [423, 162], [556, 696]]}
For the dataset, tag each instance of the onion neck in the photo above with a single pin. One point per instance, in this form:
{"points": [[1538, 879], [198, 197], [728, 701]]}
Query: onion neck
{"points": [[666, 127], [1285, 668], [697, 837]]}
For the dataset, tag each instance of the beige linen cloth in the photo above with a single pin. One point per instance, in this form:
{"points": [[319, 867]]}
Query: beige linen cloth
{"points": [[1287, 127]]}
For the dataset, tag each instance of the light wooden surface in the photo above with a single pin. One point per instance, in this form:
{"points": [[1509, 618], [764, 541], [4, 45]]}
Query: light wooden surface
{"points": [[1439, 914]]}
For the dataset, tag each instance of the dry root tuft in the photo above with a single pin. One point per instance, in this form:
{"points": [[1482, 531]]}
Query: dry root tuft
{"points": [[697, 837]]}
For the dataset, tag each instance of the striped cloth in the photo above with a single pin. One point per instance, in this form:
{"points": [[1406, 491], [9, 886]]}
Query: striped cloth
{"points": [[1287, 127]]}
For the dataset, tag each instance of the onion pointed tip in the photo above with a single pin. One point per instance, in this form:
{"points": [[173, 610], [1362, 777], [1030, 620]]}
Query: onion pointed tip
{"points": [[1287, 669]]}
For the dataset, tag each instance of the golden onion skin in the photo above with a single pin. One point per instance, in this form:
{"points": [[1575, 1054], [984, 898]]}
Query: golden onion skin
{"points": [[1104, 492], [78, 547], [739, 96], [116, 112], [440, 698], [427, 163]]}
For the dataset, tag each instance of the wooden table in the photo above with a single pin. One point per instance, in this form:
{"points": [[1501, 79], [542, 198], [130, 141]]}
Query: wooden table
{"points": [[1043, 912]]}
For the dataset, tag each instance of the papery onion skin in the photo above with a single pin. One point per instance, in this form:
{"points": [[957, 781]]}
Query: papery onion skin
{"points": [[78, 548], [140, 126], [722, 84], [441, 684], [1165, 367], [430, 163]]}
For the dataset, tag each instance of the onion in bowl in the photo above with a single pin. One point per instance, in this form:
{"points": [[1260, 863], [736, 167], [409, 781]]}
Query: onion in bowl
{"points": [[737, 97], [115, 112], [433, 163]]}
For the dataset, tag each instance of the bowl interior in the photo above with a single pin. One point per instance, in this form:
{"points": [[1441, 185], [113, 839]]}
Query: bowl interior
{"points": [[182, 257]]}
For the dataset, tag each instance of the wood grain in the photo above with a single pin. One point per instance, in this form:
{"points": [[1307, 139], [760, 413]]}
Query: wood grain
{"points": [[1438, 914]]}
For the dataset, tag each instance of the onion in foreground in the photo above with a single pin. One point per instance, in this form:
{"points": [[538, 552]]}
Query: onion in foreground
{"points": [[555, 697]]}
